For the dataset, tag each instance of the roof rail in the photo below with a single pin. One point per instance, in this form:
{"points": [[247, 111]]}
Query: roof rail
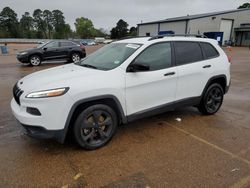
{"points": [[177, 35]]}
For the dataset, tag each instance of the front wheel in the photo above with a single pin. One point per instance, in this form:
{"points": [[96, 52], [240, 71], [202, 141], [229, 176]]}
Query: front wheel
{"points": [[35, 60], [75, 57], [95, 126], [212, 100]]}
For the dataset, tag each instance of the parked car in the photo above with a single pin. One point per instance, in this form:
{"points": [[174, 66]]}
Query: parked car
{"points": [[119, 83], [52, 50]]}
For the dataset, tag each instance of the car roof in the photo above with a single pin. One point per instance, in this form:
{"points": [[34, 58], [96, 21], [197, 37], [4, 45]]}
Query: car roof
{"points": [[149, 40]]}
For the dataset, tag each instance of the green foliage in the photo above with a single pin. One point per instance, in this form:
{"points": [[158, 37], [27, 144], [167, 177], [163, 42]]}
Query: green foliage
{"points": [[245, 5], [133, 31], [8, 23], [43, 24], [84, 28], [26, 26], [121, 30]]}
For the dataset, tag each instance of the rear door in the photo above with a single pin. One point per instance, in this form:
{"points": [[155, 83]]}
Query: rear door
{"points": [[192, 70], [155, 87], [66, 47]]}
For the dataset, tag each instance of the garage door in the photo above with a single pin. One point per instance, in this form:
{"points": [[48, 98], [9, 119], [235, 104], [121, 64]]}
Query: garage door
{"points": [[226, 28]]}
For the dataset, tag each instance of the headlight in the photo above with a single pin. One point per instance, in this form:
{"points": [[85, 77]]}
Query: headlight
{"points": [[48, 93], [23, 53]]}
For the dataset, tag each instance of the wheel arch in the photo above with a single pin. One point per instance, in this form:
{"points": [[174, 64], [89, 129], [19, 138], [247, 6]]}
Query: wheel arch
{"points": [[220, 79], [38, 54], [78, 106]]}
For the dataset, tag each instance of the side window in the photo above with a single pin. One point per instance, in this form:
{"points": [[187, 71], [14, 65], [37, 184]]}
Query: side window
{"points": [[187, 52], [157, 56], [209, 50], [52, 45], [66, 44]]}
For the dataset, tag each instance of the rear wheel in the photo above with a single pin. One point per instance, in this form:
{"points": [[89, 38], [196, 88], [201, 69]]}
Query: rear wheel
{"points": [[35, 60], [95, 126], [212, 100]]}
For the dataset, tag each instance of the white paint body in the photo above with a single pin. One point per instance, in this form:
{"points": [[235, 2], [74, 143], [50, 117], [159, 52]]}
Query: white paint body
{"points": [[136, 92]]}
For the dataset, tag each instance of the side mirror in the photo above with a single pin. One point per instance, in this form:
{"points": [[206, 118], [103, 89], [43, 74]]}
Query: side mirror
{"points": [[138, 67], [44, 48]]}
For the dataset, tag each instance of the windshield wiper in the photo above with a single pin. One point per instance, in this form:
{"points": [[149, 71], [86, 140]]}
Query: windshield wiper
{"points": [[89, 66]]}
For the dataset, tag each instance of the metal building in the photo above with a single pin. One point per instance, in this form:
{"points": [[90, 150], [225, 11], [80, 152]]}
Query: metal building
{"points": [[227, 26]]}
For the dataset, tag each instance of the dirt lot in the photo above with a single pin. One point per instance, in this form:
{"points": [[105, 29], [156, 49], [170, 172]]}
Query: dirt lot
{"points": [[200, 151]]}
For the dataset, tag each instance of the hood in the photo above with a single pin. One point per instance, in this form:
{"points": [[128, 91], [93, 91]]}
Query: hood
{"points": [[55, 77], [29, 50]]}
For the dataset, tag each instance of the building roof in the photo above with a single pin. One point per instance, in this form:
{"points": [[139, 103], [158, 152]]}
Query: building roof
{"points": [[196, 16]]}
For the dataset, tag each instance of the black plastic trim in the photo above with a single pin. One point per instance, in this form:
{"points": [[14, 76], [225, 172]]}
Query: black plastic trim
{"points": [[164, 108], [39, 132], [213, 78], [92, 99]]}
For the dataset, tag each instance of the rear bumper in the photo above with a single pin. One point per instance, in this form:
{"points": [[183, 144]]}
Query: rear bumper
{"points": [[227, 87], [42, 133]]}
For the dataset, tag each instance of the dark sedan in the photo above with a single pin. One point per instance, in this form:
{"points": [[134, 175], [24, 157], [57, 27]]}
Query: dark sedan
{"points": [[52, 50]]}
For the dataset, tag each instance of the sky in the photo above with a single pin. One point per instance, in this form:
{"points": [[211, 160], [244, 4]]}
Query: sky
{"points": [[106, 13]]}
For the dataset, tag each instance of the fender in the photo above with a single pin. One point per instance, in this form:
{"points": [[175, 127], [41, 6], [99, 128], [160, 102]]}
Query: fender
{"points": [[212, 79], [92, 99]]}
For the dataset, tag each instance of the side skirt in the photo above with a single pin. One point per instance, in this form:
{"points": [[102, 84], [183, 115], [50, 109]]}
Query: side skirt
{"points": [[164, 108]]}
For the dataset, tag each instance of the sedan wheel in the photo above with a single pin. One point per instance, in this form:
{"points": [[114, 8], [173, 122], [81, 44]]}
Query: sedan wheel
{"points": [[35, 60], [75, 57]]}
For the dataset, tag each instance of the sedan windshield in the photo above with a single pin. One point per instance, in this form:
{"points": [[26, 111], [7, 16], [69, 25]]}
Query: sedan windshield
{"points": [[109, 56]]}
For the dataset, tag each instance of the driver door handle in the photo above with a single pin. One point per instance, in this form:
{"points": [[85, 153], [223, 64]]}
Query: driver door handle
{"points": [[206, 66], [169, 74]]}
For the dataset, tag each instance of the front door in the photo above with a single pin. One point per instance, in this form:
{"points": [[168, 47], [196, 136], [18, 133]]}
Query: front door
{"points": [[51, 50], [146, 90]]}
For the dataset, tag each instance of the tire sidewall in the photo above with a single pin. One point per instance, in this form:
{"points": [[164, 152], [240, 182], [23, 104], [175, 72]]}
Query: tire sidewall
{"points": [[37, 57], [80, 118], [75, 53], [212, 86]]}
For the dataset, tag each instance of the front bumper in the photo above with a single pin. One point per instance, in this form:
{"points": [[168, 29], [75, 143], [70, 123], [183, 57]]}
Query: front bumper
{"points": [[23, 58], [50, 124], [42, 133]]}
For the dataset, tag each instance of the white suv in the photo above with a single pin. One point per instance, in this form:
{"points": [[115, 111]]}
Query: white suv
{"points": [[119, 83]]}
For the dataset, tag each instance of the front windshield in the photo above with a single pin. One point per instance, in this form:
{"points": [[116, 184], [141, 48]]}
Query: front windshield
{"points": [[43, 44], [109, 56]]}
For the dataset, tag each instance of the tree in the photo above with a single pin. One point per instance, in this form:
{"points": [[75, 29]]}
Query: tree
{"points": [[62, 30], [48, 22], [9, 22], [245, 5], [121, 30], [133, 31], [84, 27], [26, 25], [40, 24]]}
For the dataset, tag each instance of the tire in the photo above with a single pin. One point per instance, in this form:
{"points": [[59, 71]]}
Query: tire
{"points": [[95, 126], [212, 99], [35, 60], [75, 57]]}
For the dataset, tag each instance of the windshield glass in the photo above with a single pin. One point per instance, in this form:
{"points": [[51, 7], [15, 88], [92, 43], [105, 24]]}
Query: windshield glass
{"points": [[109, 56], [43, 44]]}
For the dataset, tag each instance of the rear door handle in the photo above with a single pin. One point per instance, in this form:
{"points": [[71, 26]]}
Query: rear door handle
{"points": [[206, 66], [169, 74]]}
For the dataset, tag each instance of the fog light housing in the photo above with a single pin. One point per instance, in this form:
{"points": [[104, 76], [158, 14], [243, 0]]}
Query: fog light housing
{"points": [[33, 111]]}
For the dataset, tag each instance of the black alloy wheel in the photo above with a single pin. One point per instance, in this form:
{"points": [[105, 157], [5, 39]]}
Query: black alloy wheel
{"points": [[95, 126]]}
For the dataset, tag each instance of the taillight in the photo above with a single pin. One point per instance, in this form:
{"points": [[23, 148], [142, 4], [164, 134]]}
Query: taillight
{"points": [[229, 58], [82, 47]]}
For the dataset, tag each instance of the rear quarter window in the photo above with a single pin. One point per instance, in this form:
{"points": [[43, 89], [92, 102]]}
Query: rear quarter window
{"points": [[187, 52], [209, 50]]}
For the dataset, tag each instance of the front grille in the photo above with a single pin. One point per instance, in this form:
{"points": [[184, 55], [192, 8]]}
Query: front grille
{"points": [[17, 92]]}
